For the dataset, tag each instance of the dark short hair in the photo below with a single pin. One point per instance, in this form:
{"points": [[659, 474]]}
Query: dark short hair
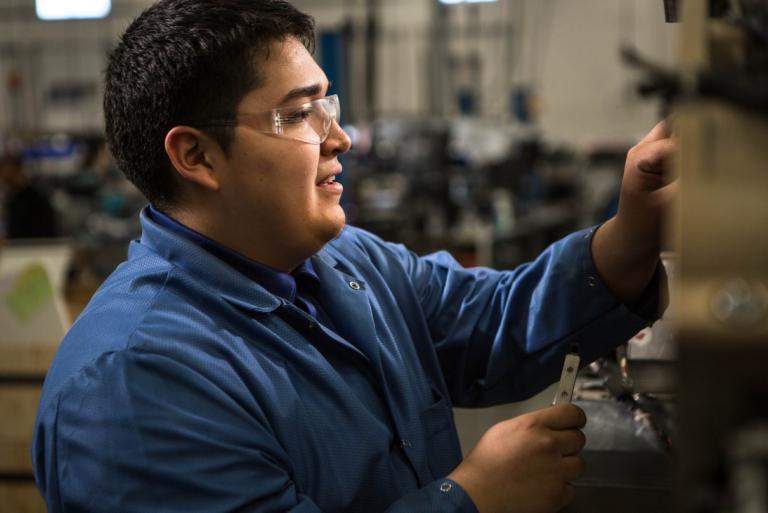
{"points": [[184, 60]]}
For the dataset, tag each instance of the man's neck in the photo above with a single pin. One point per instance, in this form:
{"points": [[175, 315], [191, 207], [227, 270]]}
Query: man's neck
{"points": [[258, 246]]}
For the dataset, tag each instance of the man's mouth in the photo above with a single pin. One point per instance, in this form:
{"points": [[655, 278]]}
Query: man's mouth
{"points": [[330, 185]]}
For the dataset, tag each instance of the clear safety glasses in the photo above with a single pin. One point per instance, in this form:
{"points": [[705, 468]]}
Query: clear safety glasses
{"points": [[309, 123]]}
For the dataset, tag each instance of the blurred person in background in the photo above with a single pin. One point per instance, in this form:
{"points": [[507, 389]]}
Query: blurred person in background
{"points": [[27, 209], [255, 354]]}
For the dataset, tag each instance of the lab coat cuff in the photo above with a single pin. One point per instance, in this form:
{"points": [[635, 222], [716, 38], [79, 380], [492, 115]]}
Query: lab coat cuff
{"points": [[440, 496], [651, 303]]}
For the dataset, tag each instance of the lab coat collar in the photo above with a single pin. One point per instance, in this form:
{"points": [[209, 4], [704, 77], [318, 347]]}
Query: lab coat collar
{"points": [[217, 275]]}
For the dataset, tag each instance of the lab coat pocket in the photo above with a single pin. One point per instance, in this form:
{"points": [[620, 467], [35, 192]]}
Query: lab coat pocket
{"points": [[441, 439]]}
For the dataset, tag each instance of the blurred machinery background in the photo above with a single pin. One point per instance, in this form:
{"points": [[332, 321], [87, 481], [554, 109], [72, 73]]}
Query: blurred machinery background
{"points": [[490, 129], [721, 102]]}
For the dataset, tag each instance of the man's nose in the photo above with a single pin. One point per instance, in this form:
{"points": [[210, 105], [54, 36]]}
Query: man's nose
{"points": [[337, 142]]}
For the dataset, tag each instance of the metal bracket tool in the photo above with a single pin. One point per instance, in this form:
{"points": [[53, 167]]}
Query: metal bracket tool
{"points": [[567, 379]]}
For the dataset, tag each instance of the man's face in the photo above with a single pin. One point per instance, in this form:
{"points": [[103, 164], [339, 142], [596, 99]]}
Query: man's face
{"points": [[277, 188]]}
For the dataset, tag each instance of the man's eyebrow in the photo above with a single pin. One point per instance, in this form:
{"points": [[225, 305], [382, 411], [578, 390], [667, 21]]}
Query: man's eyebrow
{"points": [[302, 92]]}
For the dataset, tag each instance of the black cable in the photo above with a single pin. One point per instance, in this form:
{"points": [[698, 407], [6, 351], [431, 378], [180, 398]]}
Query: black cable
{"points": [[741, 88]]}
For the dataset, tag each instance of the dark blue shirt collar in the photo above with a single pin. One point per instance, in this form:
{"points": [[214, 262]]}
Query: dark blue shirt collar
{"points": [[278, 283]]}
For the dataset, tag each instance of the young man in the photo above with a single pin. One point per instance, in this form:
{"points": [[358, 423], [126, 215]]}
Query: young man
{"points": [[254, 354]]}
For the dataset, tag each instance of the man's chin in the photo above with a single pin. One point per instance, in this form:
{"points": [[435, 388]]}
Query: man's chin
{"points": [[331, 229], [338, 232], [338, 227]]}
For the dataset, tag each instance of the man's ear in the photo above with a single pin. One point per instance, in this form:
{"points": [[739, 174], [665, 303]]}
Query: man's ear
{"points": [[194, 156]]}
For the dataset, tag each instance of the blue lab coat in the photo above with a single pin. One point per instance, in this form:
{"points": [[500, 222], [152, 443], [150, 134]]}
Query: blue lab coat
{"points": [[186, 387]]}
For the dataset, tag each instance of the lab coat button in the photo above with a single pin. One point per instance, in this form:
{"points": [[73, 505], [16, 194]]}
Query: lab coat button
{"points": [[591, 281], [445, 487], [354, 285]]}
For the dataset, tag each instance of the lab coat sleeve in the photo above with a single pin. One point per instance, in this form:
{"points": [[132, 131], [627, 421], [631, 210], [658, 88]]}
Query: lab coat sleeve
{"points": [[502, 335]]}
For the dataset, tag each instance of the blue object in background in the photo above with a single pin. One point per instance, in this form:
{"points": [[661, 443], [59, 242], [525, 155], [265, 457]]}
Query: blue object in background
{"points": [[520, 104], [467, 102]]}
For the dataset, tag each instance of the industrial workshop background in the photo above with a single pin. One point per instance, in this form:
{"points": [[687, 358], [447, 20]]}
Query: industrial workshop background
{"points": [[489, 128]]}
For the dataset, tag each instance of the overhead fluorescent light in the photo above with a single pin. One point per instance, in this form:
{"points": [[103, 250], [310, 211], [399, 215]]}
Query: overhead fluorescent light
{"points": [[72, 9], [454, 2]]}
